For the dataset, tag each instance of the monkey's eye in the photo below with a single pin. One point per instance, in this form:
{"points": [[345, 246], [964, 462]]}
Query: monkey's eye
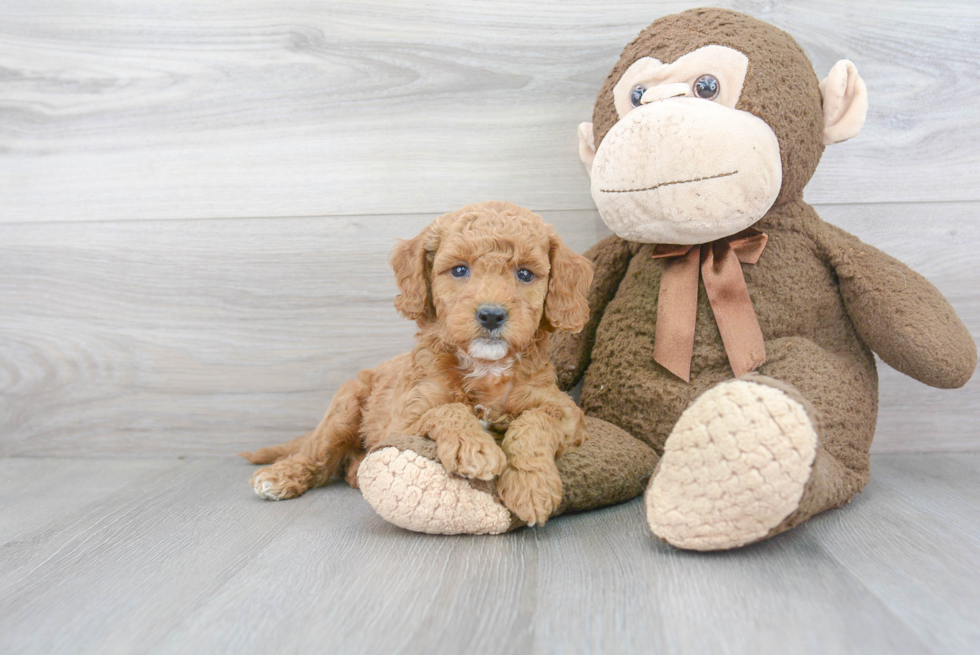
{"points": [[636, 95], [525, 275], [459, 271], [707, 87]]}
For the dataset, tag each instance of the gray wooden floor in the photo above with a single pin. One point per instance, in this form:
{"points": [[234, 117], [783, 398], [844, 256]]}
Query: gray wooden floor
{"points": [[178, 556]]}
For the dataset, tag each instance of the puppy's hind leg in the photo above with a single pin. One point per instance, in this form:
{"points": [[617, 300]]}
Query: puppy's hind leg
{"points": [[352, 468], [273, 454], [323, 453]]}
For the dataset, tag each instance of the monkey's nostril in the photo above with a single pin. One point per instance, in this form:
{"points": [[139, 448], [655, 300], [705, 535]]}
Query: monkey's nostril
{"points": [[491, 316]]}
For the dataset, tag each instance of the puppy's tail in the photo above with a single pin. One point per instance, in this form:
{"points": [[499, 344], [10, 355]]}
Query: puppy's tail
{"points": [[275, 453]]}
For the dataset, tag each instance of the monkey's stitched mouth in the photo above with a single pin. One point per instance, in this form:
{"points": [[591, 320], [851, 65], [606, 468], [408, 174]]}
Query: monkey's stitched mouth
{"points": [[657, 186]]}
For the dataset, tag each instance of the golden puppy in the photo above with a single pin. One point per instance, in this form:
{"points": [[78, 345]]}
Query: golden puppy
{"points": [[486, 285]]}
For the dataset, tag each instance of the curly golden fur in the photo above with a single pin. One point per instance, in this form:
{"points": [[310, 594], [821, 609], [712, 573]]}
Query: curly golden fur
{"points": [[487, 285]]}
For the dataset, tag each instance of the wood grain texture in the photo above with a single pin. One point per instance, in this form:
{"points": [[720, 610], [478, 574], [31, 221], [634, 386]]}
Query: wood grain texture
{"points": [[62, 494], [213, 336], [929, 506], [183, 109], [190, 561]]}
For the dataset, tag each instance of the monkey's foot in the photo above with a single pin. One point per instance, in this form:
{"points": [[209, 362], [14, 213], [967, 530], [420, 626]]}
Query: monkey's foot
{"points": [[407, 485], [735, 467], [414, 491]]}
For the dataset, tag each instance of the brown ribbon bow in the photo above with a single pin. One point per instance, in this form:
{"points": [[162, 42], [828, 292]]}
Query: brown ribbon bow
{"points": [[721, 269]]}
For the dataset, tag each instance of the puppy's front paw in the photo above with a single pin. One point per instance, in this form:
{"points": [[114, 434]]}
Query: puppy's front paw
{"points": [[278, 482], [532, 495], [476, 456]]}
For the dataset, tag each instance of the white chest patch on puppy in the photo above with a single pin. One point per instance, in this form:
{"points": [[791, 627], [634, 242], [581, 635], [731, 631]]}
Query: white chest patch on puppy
{"points": [[485, 357], [476, 369], [489, 349]]}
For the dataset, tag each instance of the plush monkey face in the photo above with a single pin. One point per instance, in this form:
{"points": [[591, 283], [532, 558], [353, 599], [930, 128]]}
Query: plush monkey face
{"points": [[716, 169], [700, 121]]}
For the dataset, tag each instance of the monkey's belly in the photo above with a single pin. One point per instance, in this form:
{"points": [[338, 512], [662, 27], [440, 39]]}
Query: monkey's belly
{"points": [[626, 387], [795, 297], [636, 394]]}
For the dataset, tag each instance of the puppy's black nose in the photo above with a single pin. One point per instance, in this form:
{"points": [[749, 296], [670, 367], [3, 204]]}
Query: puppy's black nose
{"points": [[491, 316]]}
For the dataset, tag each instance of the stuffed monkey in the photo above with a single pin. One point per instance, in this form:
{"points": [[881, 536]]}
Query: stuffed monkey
{"points": [[731, 329]]}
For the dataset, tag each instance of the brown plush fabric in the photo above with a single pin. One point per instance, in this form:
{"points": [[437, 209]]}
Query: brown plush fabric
{"points": [[818, 322], [824, 299], [610, 467], [799, 308], [790, 104], [899, 314], [831, 484]]}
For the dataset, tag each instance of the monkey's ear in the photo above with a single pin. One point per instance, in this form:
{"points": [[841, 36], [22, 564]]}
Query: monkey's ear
{"points": [[566, 306], [586, 145], [409, 259], [845, 103]]}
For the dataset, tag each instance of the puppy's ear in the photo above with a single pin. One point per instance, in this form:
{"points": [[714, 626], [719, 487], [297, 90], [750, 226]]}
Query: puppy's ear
{"points": [[410, 259], [566, 306]]}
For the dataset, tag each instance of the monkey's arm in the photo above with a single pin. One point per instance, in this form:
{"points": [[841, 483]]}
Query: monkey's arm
{"points": [[571, 353], [900, 315]]}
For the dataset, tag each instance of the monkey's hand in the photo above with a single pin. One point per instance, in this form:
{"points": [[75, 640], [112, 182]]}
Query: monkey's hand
{"points": [[901, 316]]}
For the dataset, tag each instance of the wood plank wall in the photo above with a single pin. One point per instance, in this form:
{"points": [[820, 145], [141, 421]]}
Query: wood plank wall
{"points": [[197, 198]]}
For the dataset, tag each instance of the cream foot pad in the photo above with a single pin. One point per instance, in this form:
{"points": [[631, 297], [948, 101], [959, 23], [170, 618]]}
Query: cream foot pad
{"points": [[417, 494], [735, 466]]}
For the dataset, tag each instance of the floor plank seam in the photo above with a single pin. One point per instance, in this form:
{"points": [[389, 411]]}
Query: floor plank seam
{"points": [[424, 213]]}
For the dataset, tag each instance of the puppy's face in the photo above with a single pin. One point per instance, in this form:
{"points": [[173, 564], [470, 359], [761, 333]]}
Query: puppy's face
{"points": [[489, 277], [489, 281]]}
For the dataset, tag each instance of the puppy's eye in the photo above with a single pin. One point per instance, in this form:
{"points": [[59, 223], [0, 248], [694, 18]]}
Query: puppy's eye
{"points": [[525, 275], [707, 87], [459, 271], [636, 95]]}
